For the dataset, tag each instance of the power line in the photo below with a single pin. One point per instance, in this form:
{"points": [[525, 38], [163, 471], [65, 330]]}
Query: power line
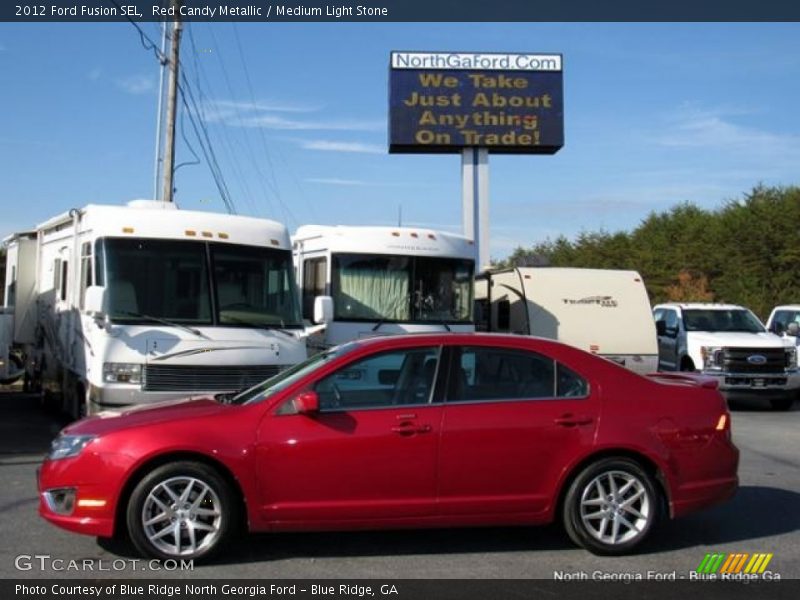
{"points": [[262, 180], [207, 148], [227, 142], [286, 166], [204, 140]]}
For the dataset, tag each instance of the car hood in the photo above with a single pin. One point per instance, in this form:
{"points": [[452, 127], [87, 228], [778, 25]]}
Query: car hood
{"points": [[136, 416], [737, 339]]}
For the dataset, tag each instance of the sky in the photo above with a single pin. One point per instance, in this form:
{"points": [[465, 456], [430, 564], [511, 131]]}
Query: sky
{"points": [[654, 115]]}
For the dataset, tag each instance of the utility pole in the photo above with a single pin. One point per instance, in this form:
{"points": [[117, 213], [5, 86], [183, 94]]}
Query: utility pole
{"points": [[159, 150], [172, 104]]}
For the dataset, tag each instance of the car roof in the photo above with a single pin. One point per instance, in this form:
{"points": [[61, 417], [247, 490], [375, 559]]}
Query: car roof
{"points": [[452, 338], [787, 307]]}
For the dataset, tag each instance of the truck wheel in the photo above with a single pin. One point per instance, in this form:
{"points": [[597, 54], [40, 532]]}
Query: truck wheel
{"points": [[181, 510], [610, 507], [781, 403], [687, 364]]}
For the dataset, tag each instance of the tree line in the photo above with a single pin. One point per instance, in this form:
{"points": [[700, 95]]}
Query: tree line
{"points": [[745, 252]]}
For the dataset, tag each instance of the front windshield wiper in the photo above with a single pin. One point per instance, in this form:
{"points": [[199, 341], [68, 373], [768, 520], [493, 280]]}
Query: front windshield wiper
{"points": [[191, 330], [227, 397], [265, 326]]}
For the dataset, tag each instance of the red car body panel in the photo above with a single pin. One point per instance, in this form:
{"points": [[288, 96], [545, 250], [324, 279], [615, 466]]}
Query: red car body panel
{"points": [[439, 464]]}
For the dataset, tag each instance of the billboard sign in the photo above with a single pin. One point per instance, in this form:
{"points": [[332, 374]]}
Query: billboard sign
{"points": [[445, 102]]}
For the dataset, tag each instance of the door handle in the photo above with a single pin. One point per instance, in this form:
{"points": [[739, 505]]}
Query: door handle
{"points": [[411, 428], [570, 420]]}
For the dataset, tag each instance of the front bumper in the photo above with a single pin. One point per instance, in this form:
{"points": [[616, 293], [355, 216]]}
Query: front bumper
{"points": [[97, 480], [758, 384]]}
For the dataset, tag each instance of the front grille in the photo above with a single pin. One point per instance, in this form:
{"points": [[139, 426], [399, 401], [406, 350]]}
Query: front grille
{"points": [[734, 360], [194, 378]]}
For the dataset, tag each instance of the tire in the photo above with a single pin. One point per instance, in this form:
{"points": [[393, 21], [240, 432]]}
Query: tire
{"points": [[781, 403], [589, 518], [18, 364], [208, 492], [687, 365]]}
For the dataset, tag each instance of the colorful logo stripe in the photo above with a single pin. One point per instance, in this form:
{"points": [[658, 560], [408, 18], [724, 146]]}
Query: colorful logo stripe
{"points": [[719, 562]]}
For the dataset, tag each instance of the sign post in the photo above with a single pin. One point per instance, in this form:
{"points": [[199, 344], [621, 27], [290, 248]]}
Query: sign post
{"points": [[474, 104]]}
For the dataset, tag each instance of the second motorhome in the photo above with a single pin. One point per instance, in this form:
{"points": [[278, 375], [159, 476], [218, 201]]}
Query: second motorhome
{"points": [[605, 312], [119, 305], [367, 281]]}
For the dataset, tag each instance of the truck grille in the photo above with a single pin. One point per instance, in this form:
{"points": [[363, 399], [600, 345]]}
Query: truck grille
{"points": [[735, 360], [193, 378]]}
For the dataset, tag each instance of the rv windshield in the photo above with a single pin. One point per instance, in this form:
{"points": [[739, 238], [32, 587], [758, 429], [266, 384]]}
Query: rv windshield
{"points": [[182, 282], [374, 287]]}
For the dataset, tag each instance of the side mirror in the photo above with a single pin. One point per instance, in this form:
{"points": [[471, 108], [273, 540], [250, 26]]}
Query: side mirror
{"points": [[94, 302], [323, 309], [306, 403], [661, 327], [793, 329]]}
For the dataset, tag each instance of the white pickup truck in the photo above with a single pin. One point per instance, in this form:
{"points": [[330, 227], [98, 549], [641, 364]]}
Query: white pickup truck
{"points": [[729, 343]]}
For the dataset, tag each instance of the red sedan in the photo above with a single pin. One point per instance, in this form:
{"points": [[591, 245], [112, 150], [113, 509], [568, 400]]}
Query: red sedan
{"points": [[412, 431]]}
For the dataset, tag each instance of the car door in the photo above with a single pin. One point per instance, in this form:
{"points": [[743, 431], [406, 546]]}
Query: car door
{"points": [[513, 420], [668, 343], [368, 455]]}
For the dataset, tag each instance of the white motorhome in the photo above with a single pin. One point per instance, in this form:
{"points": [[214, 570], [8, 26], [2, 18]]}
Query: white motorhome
{"points": [[367, 281], [602, 311], [118, 305]]}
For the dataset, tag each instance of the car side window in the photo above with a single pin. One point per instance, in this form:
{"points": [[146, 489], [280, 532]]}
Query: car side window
{"points": [[483, 373], [400, 377], [569, 384], [671, 320]]}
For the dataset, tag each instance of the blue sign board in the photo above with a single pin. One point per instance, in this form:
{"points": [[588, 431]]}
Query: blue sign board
{"points": [[448, 102]]}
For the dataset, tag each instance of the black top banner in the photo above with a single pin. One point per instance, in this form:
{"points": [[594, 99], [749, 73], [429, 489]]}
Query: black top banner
{"points": [[400, 10]]}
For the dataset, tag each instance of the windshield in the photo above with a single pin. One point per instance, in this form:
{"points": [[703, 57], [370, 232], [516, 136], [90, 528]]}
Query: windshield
{"points": [[197, 283], [374, 287], [284, 379], [721, 320]]}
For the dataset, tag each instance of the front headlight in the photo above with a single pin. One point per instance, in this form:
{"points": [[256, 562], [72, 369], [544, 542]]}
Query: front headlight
{"points": [[791, 357], [67, 446], [122, 373], [712, 357]]}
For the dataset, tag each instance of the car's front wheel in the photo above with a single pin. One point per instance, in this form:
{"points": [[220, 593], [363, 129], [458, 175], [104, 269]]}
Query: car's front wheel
{"points": [[181, 510], [611, 506]]}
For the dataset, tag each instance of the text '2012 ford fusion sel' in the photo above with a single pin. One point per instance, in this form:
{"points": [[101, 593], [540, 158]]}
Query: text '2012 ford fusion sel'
{"points": [[408, 431]]}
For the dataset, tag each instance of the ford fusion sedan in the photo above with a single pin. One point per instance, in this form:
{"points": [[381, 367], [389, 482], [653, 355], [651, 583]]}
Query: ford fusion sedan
{"points": [[409, 431]]}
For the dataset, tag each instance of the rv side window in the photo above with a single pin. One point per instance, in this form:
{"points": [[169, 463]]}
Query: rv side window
{"points": [[503, 315], [315, 272], [86, 269], [64, 278], [57, 275]]}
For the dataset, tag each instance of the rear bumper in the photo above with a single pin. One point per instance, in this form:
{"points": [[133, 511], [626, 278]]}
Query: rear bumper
{"points": [[697, 496]]}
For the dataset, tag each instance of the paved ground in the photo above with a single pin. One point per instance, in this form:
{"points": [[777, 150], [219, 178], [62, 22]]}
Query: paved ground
{"points": [[763, 517]]}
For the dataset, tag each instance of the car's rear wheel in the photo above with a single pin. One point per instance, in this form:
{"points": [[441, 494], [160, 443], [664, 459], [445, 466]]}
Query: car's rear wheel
{"points": [[181, 510], [611, 506]]}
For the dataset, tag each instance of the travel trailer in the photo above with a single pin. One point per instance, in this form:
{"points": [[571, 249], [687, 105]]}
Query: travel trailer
{"points": [[605, 312], [120, 305], [368, 281]]}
